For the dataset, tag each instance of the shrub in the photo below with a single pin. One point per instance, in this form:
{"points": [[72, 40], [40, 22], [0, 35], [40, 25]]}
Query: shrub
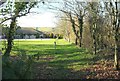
{"points": [[51, 35], [37, 35], [17, 67]]}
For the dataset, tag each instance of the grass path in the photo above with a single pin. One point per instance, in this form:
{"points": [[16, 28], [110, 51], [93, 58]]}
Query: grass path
{"points": [[66, 61], [62, 62]]}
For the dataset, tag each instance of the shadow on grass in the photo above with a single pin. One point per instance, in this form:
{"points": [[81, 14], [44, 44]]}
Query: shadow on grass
{"points": [[63, 65], [59, 69], [45, 71], [66, 59], [63, 69]]}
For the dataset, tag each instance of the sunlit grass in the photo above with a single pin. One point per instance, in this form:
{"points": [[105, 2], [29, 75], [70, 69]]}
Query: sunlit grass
{"points": [[65, 56]]}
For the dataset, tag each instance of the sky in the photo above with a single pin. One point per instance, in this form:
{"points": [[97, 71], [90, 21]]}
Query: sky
{"points": [[42, 18], [46, 19]]}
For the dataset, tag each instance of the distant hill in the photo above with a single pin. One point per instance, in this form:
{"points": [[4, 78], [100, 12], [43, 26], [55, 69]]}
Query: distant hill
{"points": [[46, 29], [28, 30], [34, 30]]}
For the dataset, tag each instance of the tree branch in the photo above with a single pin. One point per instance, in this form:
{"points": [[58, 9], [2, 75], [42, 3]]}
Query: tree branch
{"points": [[15, 16]]}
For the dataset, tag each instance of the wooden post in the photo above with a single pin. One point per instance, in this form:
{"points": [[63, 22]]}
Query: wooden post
{"points": [[55, 44]]}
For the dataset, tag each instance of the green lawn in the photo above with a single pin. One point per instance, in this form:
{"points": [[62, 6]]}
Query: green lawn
{"points": [[63, 62]]}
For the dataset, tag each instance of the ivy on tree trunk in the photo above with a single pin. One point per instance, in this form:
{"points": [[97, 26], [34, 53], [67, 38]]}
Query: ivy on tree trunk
{"points": [[10, 37]]}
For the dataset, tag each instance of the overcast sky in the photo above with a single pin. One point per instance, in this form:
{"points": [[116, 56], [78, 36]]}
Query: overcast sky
{"points": [[46, 19], [43, 17]]}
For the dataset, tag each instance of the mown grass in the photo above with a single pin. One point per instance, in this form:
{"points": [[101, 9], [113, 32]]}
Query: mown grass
{"points": [[55, 63]]}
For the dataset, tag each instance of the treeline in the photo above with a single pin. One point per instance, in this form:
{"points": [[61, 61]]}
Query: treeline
{"points": [[53, 35], [93, 25]]}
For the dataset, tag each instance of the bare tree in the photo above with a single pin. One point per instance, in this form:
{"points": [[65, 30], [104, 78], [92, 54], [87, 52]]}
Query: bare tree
{"points": [[94, 20], [75, 11], [113, 8]]}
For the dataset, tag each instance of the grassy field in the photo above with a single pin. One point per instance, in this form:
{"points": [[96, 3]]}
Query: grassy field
{"points": [[67, 61], [63, 62]]}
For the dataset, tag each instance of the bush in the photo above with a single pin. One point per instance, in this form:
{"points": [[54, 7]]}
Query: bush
{"points": [[37, 35], [60, 36], [18, 67], [51, 35]]}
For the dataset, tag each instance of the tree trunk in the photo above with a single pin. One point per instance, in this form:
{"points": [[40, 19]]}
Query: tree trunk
{"points": [[74, 28], [80, 21], [80, 38], [94, 39], [10, 37], [116, 61], [76, 41], [116, 25], [95, 47], [116, 56], [80, 42]]}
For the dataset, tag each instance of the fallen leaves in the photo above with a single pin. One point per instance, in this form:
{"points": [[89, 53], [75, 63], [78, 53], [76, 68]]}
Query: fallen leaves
{"points": [[103, 71], [97, 71]]}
